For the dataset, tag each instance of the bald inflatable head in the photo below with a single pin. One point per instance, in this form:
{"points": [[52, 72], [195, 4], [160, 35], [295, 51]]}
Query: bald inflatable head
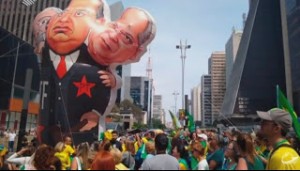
{"points": [[97, 7], [125, 40], [40, 25]]}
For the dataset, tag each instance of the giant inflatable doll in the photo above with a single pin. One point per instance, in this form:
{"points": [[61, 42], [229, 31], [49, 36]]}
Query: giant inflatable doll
{"points": [[78, 80]]}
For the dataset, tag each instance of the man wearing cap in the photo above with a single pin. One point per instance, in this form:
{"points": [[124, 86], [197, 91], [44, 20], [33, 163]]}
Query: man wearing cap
{"points": [[275, 125]]}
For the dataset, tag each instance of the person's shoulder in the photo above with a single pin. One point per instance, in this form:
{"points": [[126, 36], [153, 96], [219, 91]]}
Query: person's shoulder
{"points": [[68, 147], [284, 150], [203, 164], [121, 166], [282, 156], [146, 164], [169, 157], [204, 161]]}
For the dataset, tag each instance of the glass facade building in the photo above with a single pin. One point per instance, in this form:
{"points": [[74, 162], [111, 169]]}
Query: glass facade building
{"points": [[260, 63], [291, 13], [269, 55]]}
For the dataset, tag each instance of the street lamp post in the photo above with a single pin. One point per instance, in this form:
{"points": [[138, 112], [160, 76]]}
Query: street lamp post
{"points": [[175, 93], [183, 48]]}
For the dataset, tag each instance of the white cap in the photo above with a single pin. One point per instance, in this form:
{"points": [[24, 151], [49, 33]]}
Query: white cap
{"points": [[203, 136]]}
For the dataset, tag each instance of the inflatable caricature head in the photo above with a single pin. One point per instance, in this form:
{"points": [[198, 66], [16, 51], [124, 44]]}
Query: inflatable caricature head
{"points": [[40, 24], [122, 41], [100, 8], [68, 31]]}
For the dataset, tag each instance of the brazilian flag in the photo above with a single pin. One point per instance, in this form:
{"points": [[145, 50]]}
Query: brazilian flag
{"points": [[283, 103], [191, 123]]}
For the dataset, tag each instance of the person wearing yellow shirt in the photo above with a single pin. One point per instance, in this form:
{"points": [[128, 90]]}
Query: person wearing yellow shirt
{"points": [[275, 125], [68, 144], [63, 157], [69, 150]]}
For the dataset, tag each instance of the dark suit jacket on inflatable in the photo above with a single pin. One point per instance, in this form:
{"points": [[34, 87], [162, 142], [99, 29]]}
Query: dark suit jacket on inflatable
{"points": [[66, 100]]}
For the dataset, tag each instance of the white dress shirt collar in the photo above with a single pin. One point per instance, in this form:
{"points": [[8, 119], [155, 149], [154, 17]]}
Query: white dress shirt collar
{"points": [[70, 59]]}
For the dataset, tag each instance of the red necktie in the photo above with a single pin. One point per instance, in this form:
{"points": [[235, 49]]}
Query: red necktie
{"points": [[62, 67]]}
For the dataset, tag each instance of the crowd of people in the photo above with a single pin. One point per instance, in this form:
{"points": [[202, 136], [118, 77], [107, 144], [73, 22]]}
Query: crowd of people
{"points": [[271, 148]]}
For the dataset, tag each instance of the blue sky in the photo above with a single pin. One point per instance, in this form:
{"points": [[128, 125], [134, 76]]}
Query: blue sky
{"points": [[205, 24]]}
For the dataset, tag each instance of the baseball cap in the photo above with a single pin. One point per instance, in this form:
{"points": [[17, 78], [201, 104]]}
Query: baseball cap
{"points": [[278, 116], [203, 136]]}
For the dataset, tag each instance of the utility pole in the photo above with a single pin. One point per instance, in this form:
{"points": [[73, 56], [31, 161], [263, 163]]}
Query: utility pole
{"points": [[183, 48], [24, 113]]}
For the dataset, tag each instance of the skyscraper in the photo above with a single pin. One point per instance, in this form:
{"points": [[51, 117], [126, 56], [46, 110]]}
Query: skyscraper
{"points": [[196, 103], [139, 91], [157, 107], [206, 100], [231, 49], [290, 12], [218, 82], [260, 63], [125, 89]]}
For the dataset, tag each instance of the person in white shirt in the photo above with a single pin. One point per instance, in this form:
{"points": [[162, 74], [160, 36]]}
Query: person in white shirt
{"points": [[199, 153], [11, 140], [162, 160], [18, 158]]}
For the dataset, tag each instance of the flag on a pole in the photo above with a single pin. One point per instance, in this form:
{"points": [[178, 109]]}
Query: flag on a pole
{"points": [[283, 103], [176, 123], [191, 123]]}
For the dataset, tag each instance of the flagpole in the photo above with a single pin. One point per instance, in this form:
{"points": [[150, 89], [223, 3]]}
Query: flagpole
{"points": [[277, 95], [14, 76]]}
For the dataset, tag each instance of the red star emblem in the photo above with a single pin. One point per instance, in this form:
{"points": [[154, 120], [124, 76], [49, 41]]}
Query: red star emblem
{"points": [[84, 87]]}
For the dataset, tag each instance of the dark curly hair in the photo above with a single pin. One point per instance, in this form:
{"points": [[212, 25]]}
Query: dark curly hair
{"points": [[43, 154]]}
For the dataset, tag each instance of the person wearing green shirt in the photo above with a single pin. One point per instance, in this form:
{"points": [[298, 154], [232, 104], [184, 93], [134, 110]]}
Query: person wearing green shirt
{"points": [[216, 157], [248, 159]]}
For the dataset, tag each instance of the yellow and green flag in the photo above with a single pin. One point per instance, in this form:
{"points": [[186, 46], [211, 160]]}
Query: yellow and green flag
{"points": [[283, 103], [176, 123]]}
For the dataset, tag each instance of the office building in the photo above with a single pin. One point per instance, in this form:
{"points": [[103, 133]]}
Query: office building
{"points": [[196, 103], [157, 107], [206, 100], [14, 62], [139, 91], [268, 56], [231, 49], [291, 11], [218, 82]]}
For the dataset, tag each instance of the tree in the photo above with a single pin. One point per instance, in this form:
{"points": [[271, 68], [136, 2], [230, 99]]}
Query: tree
{"points": [[115, 109], [137, 125], [157, 124], [127, 105]]}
